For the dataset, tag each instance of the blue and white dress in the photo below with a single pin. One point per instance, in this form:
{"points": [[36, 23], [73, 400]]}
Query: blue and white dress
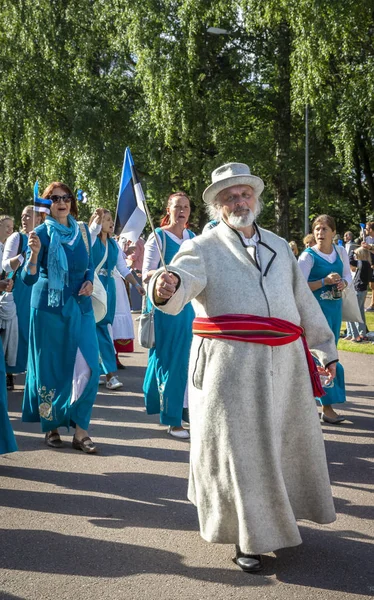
{"points": [[316, 266], [166, 376], [114, 260], [16, 245], [63, 363]]}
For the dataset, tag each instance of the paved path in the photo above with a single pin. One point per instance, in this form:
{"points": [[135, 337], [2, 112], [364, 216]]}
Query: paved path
{"points": [[118, 525]]}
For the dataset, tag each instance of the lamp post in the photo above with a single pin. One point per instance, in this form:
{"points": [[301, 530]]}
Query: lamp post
{"points": [[306, 201]]}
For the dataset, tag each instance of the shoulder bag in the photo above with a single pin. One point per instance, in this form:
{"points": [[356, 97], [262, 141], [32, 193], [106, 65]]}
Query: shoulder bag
{"points": [[99, 296], [146, 328], [350, 310]]}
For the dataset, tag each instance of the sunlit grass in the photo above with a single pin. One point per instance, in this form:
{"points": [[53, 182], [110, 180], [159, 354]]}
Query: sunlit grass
{"points": [[363, 348]]}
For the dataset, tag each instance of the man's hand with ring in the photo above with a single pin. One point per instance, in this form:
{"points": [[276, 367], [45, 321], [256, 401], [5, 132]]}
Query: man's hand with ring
{"points": [[165, 287]]}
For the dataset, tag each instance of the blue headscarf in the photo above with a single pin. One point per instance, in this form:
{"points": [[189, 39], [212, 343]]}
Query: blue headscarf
{"points": [[58, 272]]}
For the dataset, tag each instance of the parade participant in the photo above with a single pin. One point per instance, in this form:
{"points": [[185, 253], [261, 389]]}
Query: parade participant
{"points": [[368, 244], [63, 364], [7, 440], [165, 380], [309, 240], [135, 257], [327, 275], [13, 258], [257, 454], [294, 248], [6, 229], [106, 257]]}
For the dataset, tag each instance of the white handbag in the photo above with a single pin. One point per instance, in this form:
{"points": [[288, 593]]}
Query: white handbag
{"points": [[99, 295], [350, 310], [146, 328]]}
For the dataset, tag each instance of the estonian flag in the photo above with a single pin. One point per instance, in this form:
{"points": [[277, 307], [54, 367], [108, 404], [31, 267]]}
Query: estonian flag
{"points": [[41, 204], [130, 217]]}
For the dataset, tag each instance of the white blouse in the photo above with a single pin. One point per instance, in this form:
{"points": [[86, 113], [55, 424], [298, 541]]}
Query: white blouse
{"points": [[121, 266], [306, 262], [11, 251], [151, 253]]}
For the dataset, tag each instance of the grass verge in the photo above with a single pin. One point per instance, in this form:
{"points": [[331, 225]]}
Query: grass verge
{"points": [[364, 347]]}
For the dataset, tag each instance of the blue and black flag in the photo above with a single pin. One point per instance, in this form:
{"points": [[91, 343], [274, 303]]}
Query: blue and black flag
{"points": [[130, 217]]}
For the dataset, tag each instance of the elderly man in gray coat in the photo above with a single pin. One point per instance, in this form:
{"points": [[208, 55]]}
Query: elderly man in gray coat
{"points": [[257, 460]]}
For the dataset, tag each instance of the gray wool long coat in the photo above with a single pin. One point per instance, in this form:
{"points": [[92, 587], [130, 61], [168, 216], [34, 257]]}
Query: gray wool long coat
{"points": [[257, 459]]}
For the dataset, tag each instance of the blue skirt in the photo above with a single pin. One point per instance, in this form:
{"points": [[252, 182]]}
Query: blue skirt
{"points": [[166, 376], [54, 341], [108, 361], [7, 439]]}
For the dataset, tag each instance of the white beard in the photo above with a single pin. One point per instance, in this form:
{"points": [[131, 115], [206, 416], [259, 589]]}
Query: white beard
{"points": [[241, 220]]}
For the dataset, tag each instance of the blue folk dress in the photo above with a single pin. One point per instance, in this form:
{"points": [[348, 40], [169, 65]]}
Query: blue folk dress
{"points": [[108, 362], [166, 376], [56, 333], [7, 439], [22, 299], [332, 309]]}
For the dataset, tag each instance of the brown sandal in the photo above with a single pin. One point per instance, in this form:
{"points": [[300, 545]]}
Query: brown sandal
{"points": [[86, 445], [52, 439]]}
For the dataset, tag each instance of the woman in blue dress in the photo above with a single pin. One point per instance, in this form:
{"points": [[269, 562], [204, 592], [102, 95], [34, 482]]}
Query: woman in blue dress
{"points": [[107, 256], [7, 440], [165, 382], [13, 258], [63, 363], [327, 275]]}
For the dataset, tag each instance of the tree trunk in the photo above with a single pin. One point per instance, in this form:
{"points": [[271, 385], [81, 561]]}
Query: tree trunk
{"points": [[366, 167], [361, 195]]}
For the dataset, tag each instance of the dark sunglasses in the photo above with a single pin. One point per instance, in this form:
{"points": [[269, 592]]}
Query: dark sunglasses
{"points": [[65, 198]]}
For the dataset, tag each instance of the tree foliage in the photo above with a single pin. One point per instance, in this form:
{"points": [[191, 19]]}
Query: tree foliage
{"points": [[83, 79]]}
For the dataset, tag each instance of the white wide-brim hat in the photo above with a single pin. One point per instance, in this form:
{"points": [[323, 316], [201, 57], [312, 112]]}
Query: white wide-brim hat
{"points": [[228, 175]]}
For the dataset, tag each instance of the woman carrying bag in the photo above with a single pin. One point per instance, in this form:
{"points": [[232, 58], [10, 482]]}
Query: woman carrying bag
{"points": [[107, 256], [328, 275]]}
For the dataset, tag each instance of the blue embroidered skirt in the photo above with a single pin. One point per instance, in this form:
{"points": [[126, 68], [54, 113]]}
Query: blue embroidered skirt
{"points": [[54, 340]]}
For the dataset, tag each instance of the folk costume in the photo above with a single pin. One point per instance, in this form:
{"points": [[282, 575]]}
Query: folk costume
{"points": [[108, 257], [257, 461], [63, 365], [331, 307], [16, 245], [165, 380], [7, 439]]}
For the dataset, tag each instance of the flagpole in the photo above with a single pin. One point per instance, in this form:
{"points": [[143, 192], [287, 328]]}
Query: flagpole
{"points": [[154, 233]]}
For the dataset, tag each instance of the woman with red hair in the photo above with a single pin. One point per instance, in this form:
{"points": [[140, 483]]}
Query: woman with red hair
{"points": [[165, 381]]}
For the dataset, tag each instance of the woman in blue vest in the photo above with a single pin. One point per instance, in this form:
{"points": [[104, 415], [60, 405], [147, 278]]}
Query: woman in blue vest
{"points": [[327, 275], [107, 256], [7, 440], [165, 382], [63, 364], [13, 258]]}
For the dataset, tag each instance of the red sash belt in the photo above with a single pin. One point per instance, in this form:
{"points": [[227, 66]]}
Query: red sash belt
{"points": [[258, 330]]}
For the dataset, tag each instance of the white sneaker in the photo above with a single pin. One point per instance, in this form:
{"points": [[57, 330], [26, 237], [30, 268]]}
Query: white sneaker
{"points": [[101, 381], [182, 434], [113, 384]]}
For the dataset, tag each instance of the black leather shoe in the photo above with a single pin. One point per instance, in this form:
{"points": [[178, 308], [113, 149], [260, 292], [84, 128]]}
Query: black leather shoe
{"points": [[250, 563], [10, 381]]}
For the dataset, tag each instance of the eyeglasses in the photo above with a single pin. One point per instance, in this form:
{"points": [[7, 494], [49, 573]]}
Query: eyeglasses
{"points": [[65, 198]]}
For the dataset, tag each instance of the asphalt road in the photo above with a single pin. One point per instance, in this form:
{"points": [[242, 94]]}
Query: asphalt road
{"points": [[119, 526]]}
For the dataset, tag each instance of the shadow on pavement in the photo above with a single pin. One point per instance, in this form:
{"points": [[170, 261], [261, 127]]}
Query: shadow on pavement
{"points": [[79, 556], [328, 560], [149, 500]]}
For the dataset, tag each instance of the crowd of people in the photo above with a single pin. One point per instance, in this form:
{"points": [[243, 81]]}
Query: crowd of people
{"points": [[239, 326]]}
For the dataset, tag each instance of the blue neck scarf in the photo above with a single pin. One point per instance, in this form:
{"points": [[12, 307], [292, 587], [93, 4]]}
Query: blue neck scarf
{"points": [[58, 271]]}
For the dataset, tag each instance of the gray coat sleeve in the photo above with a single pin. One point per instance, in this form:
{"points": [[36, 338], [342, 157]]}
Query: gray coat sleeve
{"points": [[188, 264]]}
